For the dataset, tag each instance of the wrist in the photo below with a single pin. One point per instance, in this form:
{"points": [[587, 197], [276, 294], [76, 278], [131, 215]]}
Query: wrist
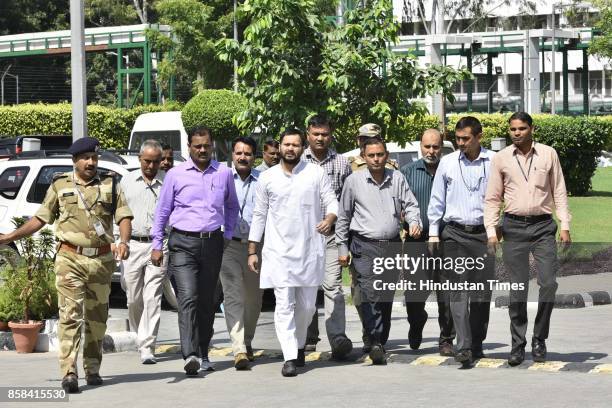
{"points": [[124, 243], [252, 253]]}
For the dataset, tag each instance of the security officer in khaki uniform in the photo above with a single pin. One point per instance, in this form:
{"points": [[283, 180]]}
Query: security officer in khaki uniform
{"points": [[357, 163], [83, 203]]}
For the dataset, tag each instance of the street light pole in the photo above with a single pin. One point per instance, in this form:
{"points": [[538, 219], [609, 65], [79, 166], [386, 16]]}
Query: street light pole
{"points": [[77, 70], [553, 72]]}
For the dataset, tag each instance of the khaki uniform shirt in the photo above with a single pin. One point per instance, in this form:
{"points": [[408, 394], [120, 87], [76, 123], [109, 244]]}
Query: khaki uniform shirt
{"points": [[358, 163], [75, 223]]}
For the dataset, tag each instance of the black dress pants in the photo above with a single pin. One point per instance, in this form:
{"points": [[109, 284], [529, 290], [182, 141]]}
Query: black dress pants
{"points": [[195, 263]]}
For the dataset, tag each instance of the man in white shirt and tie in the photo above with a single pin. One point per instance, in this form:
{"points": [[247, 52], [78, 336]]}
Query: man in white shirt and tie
{"points": [[288, 207]]}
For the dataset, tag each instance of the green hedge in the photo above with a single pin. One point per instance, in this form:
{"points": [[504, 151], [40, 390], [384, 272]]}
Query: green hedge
{"points": [[215, 109], [111, 126], [578, 141]]}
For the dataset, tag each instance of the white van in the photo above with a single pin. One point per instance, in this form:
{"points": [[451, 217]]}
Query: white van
{"points": [[165, 127]]}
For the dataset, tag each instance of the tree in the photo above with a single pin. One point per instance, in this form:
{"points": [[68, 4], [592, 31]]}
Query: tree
{"points": [[602, 44], [292, 64]]}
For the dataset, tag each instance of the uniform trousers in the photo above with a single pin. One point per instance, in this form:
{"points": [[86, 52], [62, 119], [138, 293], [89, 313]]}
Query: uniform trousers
{"points": [[520, 239], [469, 308], [143, 287], [335, 312], [195, 263], [293, 312], [242, 296], [83, 286]]}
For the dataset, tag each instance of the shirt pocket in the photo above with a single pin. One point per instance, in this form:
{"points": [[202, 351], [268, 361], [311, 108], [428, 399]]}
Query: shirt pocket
{"points": [[69, 207], [540, 178]]}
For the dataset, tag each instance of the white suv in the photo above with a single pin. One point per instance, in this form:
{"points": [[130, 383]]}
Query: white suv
{"points": [[405, 155]]}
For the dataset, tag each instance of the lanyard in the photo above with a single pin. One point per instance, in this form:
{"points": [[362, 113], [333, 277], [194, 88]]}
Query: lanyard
{"points": [[477, 186], [245, 197], [150, 187], [521, 167], [87, 207]]}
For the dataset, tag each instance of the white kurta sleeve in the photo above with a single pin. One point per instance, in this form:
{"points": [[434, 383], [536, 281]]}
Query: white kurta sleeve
{"points": [[260, 212]]}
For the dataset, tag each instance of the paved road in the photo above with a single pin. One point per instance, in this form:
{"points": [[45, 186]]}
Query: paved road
{"points": [[578, 336]]}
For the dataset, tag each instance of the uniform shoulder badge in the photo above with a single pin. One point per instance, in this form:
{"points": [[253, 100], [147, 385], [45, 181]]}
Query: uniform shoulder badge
{"points": [[57, 176], [392, 163]]}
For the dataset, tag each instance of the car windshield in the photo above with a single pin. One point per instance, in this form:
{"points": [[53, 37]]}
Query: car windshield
{"points": [[169, 137], [404, 158]]}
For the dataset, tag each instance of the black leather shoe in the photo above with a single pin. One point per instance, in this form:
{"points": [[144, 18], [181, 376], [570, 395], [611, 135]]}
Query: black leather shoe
{"points": [[341, 347], [446, 349], [464, 357], [415, 333], [301, 359], [477, 352], [289, 369], [70, 383], [538, 350], [93, 379], [377, 355], [516, 357]]}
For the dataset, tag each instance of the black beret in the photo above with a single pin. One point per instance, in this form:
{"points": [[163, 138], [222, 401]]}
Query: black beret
{"points": [[84, 145]]}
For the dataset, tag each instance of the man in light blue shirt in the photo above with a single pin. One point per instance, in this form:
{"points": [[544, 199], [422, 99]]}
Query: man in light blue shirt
{"points": [[242, 295], [456, 216]]}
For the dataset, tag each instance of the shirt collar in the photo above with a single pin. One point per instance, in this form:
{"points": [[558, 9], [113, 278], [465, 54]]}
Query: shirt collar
{"points": [[482, 155], [156, 180], [331, 153], [515, 150], [191, 165], [386, 178], [253, 175], [76, 180]]}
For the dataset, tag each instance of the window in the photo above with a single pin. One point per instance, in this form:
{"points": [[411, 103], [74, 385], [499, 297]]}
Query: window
{"points": [[43, 181], [170, 137], [11, 180], [404, 158]]}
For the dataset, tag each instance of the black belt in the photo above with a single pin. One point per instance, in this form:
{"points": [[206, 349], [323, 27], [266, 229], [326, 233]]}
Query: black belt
{"points": [[471, 229], [240, 240], [366, 239], [529, 219], [193, 234], [142, 239]]}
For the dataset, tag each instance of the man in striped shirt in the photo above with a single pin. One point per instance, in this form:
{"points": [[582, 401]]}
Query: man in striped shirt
{"points": [[337, 169], [420, 175]]}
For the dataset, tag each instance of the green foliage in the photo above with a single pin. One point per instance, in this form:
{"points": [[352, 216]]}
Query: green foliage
{"points": [[111, 126], [215, 110], [292, 63], [578, 141], [29, 278], [601, 45]]}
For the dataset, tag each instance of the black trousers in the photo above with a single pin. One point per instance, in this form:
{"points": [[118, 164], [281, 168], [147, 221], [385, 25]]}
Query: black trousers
{"points": [[195, 264], [374, 307], [520, 239], [415, 300], [469, 308]]}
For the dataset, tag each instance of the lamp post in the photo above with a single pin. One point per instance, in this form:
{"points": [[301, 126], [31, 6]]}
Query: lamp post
{"points": [[559, 5]]}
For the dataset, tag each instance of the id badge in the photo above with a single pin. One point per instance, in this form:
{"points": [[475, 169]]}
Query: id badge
{"points": [[243, 227], [99, 228]]}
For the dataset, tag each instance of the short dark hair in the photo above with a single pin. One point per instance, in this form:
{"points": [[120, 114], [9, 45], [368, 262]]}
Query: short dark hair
{"points": [[270, 143], [198, 131], [469, 122], [522, 116], [373, 141], [320, 119], [166, 146], [292, 132], [247, 141]]}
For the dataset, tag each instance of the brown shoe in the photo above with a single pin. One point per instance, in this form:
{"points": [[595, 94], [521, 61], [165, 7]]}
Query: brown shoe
{"points": [[250, 355], [241, 361], [446, 350], [93, 379], [70, 383]]}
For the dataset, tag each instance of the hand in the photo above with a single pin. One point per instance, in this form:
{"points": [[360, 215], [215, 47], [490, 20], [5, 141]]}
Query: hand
{"points": [[324, 227], [492, 244], [157, 257], [121, 251], [415, 231], [253, 262], [565, 239], [343, 260], [433, 244]]}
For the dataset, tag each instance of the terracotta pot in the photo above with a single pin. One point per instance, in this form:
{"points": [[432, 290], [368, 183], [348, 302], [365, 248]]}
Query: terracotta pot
{"points": [[25, 335], [4, 326]]}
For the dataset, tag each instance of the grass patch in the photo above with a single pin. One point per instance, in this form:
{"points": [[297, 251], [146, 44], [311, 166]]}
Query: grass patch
{"points": [[591, 214]]}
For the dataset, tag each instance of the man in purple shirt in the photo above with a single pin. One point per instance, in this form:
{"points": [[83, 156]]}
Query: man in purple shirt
{"points": [[198, 200]]}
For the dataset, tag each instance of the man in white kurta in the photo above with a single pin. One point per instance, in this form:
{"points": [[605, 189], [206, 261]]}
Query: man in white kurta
{"points": [[288, 210]]}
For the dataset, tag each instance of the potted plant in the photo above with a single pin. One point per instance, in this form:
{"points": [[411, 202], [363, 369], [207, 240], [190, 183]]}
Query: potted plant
{"points": [[29, 287]]}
